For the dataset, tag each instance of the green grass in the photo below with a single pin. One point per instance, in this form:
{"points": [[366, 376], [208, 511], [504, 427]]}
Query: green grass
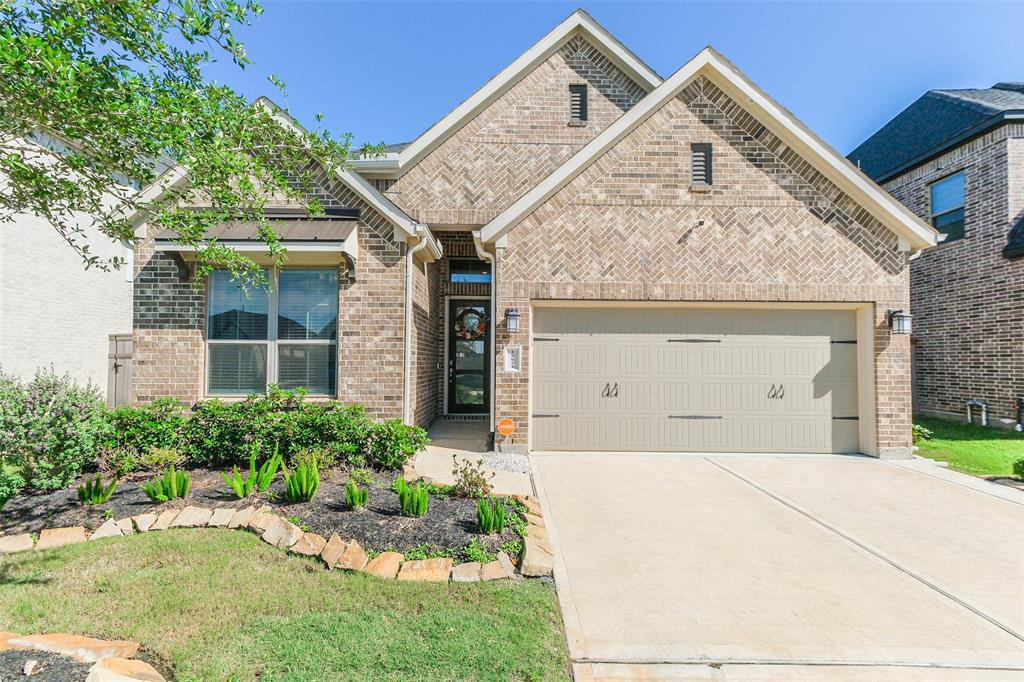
{"points": [[219, 605], [970, 448]]}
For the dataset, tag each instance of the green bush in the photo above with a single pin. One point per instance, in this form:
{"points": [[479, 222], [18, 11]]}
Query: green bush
{"points": [[49, 430], [390, 444], [413, 500], [115, 461], [471, 480], [154, 425], [355, 497], [93, 492], [258, 480], [920, 433], [490, 515], [158, 459], [302, 485], [172, 484], [1018, 468]]}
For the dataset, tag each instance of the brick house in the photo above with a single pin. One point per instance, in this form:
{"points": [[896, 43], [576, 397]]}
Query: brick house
{"points": [[601, 258], [956, 158]]}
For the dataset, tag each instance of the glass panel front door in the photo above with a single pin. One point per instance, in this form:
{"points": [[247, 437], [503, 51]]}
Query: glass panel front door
{"points": [[469, 363]]}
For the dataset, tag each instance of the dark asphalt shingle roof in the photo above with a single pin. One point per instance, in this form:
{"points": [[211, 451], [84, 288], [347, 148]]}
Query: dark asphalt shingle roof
{"points": [[931, 123]]}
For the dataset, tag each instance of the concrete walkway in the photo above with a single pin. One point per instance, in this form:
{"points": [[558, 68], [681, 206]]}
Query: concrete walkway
{"points": [[743, 567]]}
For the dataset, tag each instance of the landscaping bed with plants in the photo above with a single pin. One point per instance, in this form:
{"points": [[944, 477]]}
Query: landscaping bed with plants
{"points": [[327, 467]]}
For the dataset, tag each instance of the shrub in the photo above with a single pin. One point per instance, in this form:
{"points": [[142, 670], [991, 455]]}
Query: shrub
{"points": [[158, 459], [920, 433], [1018, 468], [11, 483], [413, 500], [361, 475], [490, 515], [326, 458], [475, 551], [391, 443], [172, 484], [258, 480], [470, 479], [355, 497], [158, 424], [302, 485], [93, 492], [116, 461], [49, 429]]}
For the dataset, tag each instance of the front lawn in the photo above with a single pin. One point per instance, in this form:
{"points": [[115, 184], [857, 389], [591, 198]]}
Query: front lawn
{"points": [[972, 449], [220, 605]]}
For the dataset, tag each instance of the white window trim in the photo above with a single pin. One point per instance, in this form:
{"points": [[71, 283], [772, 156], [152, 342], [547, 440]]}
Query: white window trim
{"points": [[271, 342]]}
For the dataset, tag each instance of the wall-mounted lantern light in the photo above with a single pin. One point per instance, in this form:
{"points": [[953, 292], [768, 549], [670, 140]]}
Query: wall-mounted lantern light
{"points": [[899, 321], [512, 320]]}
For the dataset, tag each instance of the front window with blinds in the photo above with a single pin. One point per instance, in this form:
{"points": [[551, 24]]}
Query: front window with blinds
{"points": [[700, 164], [947, 214], [287, 336]]}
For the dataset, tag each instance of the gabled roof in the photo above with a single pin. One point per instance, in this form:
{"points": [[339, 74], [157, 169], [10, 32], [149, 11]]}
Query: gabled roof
{"points": [[405, 226], [709, 63], [401, 157], [936, 122]]}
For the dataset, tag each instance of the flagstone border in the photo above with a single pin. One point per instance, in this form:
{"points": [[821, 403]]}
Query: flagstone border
{"points": [[536, 561], [111, 659]]}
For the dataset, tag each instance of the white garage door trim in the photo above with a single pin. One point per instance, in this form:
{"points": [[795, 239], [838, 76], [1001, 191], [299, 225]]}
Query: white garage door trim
{"points": [[864, 316]]}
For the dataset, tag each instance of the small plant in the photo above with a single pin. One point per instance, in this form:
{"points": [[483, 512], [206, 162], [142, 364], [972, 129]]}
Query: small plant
{"points": [[158, 459], [470, 479], [302, 485], [93, 492], [258, 480], [355, 497], [513, 548], [169, 486], [108, 513], [475, 551], [490, 515], [296, 521], [920, 433], [1018, 468], [413, 500], [115, 461], [361, 475]]}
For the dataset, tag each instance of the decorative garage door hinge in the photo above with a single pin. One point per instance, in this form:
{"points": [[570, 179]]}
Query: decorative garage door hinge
{"points": [[694, 416]]}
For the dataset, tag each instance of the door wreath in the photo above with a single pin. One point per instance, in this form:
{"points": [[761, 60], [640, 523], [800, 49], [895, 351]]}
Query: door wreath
{"points": [[470, 324]]}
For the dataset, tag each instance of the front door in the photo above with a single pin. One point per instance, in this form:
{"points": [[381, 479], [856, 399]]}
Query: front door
{"points": [[469, 362]]}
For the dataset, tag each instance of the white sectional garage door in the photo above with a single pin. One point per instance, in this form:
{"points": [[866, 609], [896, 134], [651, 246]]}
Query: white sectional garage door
{"points": [[694, 380]]}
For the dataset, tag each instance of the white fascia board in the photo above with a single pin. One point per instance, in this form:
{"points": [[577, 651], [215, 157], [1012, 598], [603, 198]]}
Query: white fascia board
{"points": [[577, 22], [708, 62]]}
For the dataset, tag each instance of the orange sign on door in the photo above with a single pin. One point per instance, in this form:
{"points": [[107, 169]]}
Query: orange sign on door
{"points": [[506, 427]]}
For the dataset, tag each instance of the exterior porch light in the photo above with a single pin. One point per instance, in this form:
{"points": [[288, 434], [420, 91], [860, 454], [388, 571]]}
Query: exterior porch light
{"points": [[512, 320], [899, 321]]}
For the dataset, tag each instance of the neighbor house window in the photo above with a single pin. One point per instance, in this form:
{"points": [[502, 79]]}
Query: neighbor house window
{"points": [[700, 164], [948, 206], [469, 272], [577, 104], [287, 336]]}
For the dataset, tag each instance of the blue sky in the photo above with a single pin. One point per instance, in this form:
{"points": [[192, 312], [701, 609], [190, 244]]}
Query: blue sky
{"points": [[386, 71]]}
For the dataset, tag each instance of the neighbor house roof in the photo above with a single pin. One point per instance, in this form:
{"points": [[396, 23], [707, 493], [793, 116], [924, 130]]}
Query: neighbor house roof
{"points": [[399, 157], [938, 121], [914, 233]]}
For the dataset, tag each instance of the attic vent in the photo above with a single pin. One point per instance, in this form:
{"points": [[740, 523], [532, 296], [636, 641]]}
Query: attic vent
{"points": [[700, 164], [577, 104]]}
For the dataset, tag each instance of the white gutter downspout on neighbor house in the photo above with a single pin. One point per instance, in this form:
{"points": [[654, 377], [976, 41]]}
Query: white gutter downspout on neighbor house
{"points": [[489, 258], [410, 261]]}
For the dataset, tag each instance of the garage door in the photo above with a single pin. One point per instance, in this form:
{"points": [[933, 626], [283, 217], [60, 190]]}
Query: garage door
{"points": [[698, 380]]}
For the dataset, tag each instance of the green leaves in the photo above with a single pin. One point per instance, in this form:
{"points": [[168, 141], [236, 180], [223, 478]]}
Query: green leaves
{"points": [[92, 491], [355, 497], [99, 98], [302, 485], [257, 481], [171, 485], [490, 515], [413, 500]]}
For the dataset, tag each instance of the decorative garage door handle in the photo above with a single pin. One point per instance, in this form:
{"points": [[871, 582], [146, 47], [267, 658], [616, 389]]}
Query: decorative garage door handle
{"points": [[544, 416], [694, 416], [776, 393], [607, 390], [610, 391]]}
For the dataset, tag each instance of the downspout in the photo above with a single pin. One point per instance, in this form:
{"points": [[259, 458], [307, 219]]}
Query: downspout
{"points": [[410, 256], [489, 258]]}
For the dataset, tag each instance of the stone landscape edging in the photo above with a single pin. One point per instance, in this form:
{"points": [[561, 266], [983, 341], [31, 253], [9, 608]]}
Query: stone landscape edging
{"points": [[113, 660], [536, 559]]}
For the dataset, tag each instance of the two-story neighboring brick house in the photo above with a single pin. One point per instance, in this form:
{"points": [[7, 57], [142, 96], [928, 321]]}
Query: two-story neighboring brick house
{"points": [[956, 158], [599, 258]]}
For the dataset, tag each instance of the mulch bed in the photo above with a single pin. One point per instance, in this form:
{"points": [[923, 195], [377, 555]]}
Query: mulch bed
{"points": [[450, 522], [51, 667]]}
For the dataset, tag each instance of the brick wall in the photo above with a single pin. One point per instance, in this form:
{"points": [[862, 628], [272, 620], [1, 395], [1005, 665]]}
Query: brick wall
{"points": [[966, 297], [772, 229], [515, 142]]}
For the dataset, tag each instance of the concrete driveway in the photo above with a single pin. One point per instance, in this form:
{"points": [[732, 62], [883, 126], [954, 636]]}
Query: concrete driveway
{"points": [[757, 567]]}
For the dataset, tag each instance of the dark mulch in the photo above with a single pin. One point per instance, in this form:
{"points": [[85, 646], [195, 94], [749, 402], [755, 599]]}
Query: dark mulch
{"points": [[450, 522], [51, 667]]}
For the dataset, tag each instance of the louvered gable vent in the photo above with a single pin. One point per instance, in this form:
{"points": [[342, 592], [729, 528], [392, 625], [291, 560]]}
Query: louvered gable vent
{"points": [[577, 103], [700, 164]]}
